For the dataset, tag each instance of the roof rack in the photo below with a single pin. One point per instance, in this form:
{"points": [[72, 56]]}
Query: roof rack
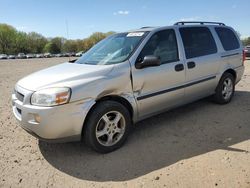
{"points": [[198, 22]]}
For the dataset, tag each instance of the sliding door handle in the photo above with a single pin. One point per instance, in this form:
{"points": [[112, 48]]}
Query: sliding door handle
{"points": [[191, 64]]}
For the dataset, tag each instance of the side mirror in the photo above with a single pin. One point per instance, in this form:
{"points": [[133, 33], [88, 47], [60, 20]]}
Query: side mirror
{"points": [[148, 61]]}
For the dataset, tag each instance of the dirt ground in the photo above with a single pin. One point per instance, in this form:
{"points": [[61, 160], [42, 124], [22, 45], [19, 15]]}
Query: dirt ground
{"points": [[198, 145]]}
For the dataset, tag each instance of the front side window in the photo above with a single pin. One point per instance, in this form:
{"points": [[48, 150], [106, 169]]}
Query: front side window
{"points": [[197, 41], [112, 50], [162, 44], [228, 39]]}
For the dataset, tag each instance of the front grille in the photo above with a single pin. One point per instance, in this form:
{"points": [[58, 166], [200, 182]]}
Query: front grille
{"points": [[19, 96]]}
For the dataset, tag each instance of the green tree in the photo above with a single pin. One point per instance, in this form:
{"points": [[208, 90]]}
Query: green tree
{"points": [[246, 41], [93, 39], [51, 47], [70, 46], [21, 43], [7, 38], [47, 47], [55, 45], [35, 42], [13, 42]]}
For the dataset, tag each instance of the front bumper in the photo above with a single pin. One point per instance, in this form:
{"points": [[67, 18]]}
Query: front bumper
{"points": [[61, 123]]}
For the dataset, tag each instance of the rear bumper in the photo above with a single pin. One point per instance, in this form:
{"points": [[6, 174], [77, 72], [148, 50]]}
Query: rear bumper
{"points": [[239, 73]]}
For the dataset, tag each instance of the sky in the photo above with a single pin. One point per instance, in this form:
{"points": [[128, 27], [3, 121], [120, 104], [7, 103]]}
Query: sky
{"points": [[83, 17]]}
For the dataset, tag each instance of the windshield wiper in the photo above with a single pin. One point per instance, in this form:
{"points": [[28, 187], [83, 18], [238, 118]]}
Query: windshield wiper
{"points": [[72, 61]]}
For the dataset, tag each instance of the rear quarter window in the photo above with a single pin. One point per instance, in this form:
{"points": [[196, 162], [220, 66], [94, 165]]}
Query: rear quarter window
{"points": [[228, 39], [197, 41]]}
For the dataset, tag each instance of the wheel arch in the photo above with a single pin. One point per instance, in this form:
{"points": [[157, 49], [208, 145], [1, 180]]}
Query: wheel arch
{"points": [[119, 99], [116, 98], [231, 71]]}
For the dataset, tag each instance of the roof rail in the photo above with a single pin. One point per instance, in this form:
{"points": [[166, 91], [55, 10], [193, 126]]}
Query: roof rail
{"points": [[146, 27], [198, 22]]}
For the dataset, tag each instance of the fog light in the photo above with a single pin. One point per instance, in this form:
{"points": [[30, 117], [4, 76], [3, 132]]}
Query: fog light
{"points": [[37, 118]]}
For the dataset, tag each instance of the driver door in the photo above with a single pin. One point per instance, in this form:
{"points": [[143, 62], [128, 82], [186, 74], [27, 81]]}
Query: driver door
{"points": [[160, 87]]}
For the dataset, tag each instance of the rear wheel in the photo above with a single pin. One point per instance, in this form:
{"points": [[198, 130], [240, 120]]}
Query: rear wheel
{"points": [[107, 126], [225, 89]]}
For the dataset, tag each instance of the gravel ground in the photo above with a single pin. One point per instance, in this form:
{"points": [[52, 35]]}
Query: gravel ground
{"points": [[199, 145]]}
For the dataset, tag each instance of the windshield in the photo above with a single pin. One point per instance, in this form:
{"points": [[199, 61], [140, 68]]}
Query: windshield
{"points": [[114, 49]]}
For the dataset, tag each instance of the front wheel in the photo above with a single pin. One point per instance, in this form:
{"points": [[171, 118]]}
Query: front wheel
{"points": [[225, 89], [107, 126]]}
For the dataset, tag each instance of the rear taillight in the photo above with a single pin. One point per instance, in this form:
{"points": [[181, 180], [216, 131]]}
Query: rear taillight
{"points": [[244, 57]]}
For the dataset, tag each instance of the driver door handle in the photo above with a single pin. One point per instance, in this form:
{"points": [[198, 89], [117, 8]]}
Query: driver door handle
{"points": [[179, 67]]}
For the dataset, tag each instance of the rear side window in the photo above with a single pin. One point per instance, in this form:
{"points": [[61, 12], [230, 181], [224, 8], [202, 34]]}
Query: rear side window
{"points": [[162, 44], [198, 41], [228, 39]]}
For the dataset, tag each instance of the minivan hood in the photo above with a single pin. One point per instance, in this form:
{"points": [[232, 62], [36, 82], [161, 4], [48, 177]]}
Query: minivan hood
{"points": [[61, 73]]}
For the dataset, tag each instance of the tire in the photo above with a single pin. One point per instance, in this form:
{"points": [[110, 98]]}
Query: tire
{"points": [[225, 90], [104, 131]]}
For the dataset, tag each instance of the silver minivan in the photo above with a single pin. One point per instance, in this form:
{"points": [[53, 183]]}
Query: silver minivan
{"points": [[128, 77]]}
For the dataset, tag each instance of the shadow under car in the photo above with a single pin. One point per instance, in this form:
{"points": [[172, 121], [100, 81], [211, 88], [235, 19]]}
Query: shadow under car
{"points": [[159, 141]]}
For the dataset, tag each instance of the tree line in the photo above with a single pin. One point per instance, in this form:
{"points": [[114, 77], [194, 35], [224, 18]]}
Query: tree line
{"points": [[13, 41]]}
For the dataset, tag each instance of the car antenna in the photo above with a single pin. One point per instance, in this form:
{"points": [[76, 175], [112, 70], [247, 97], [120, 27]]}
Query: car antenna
{"points": [[67, 30]]}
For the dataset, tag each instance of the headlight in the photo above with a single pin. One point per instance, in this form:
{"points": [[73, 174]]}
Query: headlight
{"points": [[51, 96]]}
